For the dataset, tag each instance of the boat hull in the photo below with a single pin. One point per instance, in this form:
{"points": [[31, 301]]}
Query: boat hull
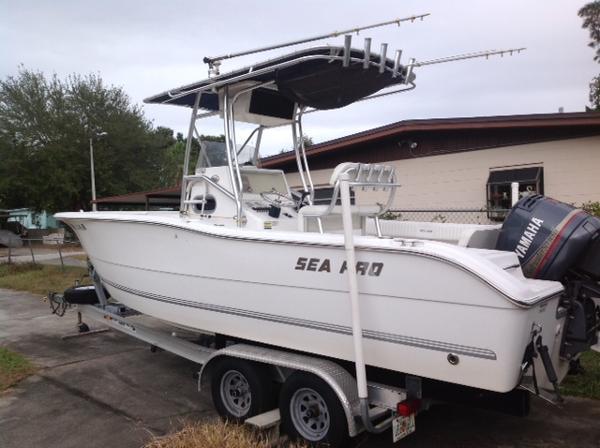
{"points": [[416, 310]]}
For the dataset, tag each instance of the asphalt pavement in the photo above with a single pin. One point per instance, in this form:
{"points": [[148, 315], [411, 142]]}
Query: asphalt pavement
{"points": [[109, 390]]}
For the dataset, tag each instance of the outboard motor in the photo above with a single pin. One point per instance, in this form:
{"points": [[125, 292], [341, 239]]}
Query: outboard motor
{"points": [[551, 237], [556, 241]]}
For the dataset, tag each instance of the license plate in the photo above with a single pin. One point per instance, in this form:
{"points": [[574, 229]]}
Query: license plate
{"points": [[403, 426]]}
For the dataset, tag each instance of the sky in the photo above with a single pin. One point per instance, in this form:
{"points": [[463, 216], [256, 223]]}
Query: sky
{"points": [[149, 46]]}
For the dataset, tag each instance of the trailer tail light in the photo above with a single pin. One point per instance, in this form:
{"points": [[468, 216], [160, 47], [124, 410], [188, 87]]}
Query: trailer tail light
{"points": [[408, 407]]}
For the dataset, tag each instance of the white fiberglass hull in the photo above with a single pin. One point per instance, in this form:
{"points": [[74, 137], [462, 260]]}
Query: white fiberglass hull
{"points": [[416, 307]]}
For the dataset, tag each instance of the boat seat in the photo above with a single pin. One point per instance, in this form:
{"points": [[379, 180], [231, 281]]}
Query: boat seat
{"points": [[307, 215], [467, 235]]}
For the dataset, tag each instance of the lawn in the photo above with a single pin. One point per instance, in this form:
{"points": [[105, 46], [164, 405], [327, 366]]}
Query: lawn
{"points": [[13, 368], [219, 434], [587, 384], [39, 278]]}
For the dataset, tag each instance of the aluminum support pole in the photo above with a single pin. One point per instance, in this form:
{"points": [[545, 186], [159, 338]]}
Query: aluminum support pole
{"points": [[514, 193], [230, 151], [188, 150], [359, 360], [297, 151], [93, 175]]}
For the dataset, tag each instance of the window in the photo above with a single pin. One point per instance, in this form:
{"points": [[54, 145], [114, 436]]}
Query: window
{"points": [[530, 179]]}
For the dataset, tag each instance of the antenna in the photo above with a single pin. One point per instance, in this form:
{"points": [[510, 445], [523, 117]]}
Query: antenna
{"points": [[214, 61]]}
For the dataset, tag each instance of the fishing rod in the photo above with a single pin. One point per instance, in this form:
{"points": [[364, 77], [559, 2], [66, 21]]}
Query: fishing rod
{"points": [[479, 54], [215, 61]]}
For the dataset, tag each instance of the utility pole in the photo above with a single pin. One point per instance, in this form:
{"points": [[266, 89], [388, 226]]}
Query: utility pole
{"points": [[93, 174]]}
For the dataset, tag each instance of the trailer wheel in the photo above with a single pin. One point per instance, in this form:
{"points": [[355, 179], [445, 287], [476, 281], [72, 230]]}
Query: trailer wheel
{"points": [[240, 389], [311, 410]]}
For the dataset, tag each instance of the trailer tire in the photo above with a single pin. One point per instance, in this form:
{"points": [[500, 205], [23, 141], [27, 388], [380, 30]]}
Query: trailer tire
{"points": [[310, 410], [240, 389]]}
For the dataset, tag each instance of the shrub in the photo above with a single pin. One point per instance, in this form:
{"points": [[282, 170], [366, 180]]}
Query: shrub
{"points": [[592, 207]]}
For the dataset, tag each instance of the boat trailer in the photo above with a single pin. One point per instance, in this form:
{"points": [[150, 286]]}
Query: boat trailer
{"points": [[388, 406]]}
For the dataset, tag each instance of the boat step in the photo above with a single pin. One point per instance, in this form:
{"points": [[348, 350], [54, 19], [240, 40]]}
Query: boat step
{"points": [[268, 424], [264, 421], [377, 412]]}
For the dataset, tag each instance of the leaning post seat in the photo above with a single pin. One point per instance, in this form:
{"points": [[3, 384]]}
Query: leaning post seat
{"points": [[374, 176]]}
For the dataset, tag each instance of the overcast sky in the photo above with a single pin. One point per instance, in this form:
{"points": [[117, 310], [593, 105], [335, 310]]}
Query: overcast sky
{"points": [[148, 46]]}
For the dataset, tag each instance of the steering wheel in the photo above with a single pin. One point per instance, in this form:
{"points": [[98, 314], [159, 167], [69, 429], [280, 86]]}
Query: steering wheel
{"points": [[277, 199], [300, 198]]}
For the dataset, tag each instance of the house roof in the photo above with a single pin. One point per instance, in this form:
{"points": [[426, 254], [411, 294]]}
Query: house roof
{"points": [[554, 120], [579, 120]]}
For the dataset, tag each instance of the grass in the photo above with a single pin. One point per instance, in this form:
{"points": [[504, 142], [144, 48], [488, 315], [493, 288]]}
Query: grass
{"points": [[13, 368], [586, 384], [217, 434], [38, 278]]}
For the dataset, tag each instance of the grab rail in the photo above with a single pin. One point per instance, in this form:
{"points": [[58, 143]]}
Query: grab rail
{"points": [[188, 180]]}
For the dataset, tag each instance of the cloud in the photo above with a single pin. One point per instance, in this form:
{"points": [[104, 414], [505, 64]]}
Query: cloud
{"points": [[150, 46]]}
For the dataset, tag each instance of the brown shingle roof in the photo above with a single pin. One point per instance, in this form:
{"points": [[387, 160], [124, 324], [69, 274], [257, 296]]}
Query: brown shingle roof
{"points": [[553, 120]]}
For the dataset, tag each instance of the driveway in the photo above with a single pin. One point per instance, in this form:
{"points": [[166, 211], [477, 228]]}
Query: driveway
{"points": [[109, 390]]}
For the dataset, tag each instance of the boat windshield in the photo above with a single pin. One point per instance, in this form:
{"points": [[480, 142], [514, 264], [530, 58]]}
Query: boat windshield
{"points": [[215, 154]]}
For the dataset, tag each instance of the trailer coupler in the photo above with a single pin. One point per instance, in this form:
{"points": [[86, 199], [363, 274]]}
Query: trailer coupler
{"points": [[57, 302]]}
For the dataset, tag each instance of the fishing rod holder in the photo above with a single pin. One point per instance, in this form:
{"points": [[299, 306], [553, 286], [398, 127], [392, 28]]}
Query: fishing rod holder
{"points": [[367, 50]]}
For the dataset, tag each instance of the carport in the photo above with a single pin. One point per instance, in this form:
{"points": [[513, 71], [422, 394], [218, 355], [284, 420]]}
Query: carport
{"points": [[165, 198]]}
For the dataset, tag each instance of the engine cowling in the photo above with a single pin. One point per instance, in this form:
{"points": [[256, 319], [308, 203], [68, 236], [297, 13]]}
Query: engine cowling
{"points": [[551, 238]]}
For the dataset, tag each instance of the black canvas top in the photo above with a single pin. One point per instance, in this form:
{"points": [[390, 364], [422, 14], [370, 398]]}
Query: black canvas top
{"points": [[319, 82]]}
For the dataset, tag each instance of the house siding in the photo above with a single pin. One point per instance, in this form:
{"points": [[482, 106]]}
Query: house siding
{"points": [[458, 180]]}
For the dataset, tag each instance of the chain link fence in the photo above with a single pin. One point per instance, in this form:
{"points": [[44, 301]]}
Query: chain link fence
{"points": [[456, 216], [44, 251]]}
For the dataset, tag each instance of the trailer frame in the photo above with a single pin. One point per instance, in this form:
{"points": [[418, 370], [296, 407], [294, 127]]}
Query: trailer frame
{"points": [[383, 399]]}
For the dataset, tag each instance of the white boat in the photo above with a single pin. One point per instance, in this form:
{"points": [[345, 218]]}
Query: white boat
{"points": [[247, 258]]}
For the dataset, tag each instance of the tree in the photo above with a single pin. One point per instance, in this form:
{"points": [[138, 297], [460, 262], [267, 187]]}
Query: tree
{"points": [[45, 127], [308, 141], [595, 94], [171, 169], [590, 13]]}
